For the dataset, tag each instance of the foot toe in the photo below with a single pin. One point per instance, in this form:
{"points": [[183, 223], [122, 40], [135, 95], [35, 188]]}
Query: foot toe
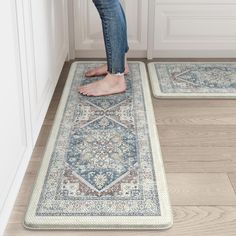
{"points": [[83, 93], [89, 74], [85, 90]]}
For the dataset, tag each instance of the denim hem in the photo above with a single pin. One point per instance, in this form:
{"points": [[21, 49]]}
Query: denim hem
{"points": [[117, 74]]}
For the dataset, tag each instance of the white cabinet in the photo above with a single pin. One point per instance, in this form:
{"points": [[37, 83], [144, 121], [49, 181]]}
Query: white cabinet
{"points": [[195, 28], [34, 47], [162, 28], [88, 38]]}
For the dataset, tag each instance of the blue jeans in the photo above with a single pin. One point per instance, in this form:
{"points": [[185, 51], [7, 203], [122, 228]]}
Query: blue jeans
{"points": [[114, 28]]}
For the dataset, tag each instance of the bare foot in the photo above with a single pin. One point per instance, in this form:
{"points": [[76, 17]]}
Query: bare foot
{"points": [[111, 84], [102, 70]]}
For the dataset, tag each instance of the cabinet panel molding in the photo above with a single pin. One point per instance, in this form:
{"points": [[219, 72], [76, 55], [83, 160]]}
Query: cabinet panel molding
{"points": [[199, 30], [47, 49]]}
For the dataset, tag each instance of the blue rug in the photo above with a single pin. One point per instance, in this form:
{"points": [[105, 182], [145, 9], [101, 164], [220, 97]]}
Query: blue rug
{"points": [[102, 168], [193, 80]]}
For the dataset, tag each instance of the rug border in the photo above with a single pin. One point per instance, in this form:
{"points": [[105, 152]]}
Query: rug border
{"points": [[159, 94], [108, 222]]}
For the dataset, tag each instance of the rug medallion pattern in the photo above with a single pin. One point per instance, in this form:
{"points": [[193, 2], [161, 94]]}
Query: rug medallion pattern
{"points": [[102, 161], [196, 78]]}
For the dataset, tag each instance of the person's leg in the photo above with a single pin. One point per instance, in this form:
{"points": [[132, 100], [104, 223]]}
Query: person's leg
{"points": [[102, 70], [115, 38]]}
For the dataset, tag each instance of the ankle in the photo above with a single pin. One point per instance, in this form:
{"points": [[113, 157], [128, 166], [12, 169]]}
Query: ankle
{"points": [[118, 78]]}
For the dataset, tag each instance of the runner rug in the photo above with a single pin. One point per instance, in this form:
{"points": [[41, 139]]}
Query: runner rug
{"points": [[193, 80], [102, 167]]}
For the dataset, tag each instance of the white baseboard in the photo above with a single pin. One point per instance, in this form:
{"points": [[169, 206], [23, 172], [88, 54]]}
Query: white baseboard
{"points": [[194, 54], [101, 54], [162, 54]]}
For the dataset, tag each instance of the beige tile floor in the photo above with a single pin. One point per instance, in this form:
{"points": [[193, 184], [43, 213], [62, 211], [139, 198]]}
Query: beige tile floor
{"points": [[198, 140]]}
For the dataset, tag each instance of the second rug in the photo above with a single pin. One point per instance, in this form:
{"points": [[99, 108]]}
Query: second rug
{"points": [[193, 80]]}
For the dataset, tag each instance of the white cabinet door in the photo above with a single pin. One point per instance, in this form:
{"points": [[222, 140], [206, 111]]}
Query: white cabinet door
{"points": [[88, 36], [15, 139], [48, 48], [195, 28]]}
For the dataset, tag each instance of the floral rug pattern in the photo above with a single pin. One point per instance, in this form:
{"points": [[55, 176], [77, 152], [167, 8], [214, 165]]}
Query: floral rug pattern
{"points": [[102, 163], [196, 78]]}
